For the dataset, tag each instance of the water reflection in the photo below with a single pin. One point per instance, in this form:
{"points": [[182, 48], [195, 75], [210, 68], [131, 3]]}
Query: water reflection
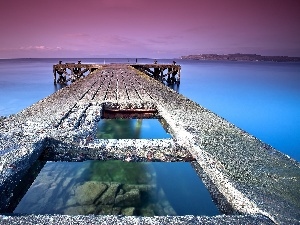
{"points": [[130, 129], [175, 87], [59, 86], [119, 128]]}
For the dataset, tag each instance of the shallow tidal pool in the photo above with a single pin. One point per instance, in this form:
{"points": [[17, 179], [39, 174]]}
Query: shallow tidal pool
{"points": [[117, 188]]}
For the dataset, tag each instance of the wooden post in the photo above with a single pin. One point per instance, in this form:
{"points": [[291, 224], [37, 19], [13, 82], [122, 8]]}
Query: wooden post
{"points": [[54, 74], [178, 81], [161, 74]]}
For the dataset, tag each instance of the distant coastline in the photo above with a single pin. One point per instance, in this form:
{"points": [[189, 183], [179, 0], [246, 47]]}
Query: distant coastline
{"points": [[241, 57]]}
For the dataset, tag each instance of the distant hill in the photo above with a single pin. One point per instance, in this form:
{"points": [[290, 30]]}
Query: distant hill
{"points": [[242, 57]]}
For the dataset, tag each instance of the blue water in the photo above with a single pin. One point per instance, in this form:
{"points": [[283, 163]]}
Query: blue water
{"points": [[131, 129], [22, 83], [164, 189], [262, 98]]}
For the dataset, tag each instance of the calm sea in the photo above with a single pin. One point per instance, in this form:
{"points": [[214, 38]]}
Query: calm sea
{"points": [[262, 98]]}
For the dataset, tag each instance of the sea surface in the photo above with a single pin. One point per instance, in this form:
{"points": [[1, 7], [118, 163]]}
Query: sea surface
{"points": [[262, 98]]}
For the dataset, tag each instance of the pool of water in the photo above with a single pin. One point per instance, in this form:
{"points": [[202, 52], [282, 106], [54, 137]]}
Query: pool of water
{"points": [[117, 188], [131, 129]]}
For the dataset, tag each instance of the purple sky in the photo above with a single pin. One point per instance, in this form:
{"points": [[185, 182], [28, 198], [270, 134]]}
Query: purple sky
{"points": [[143, 28]]}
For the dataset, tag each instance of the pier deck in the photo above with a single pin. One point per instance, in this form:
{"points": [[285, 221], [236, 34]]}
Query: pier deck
{"points": [[244, 175], [71, 71]]}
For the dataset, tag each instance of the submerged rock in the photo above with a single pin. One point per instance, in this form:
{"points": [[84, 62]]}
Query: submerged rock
{"points": [[130, 198], [89, 192], [80, 210], [141, 187], [108, 198], [105, 209], [128, 211]]}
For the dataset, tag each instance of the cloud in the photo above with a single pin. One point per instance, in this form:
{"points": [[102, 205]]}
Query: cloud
{"points": [[31, 51], [40, 48]]}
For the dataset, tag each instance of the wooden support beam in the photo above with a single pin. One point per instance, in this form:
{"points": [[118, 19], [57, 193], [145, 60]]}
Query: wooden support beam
{"points": [[54, 75], [158, 69]]}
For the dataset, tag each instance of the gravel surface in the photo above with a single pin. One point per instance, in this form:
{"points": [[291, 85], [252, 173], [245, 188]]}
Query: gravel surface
{"points": [[92, 219]]}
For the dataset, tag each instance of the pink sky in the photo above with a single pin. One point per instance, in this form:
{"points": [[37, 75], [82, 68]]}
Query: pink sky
{"points": [[143, 28]]}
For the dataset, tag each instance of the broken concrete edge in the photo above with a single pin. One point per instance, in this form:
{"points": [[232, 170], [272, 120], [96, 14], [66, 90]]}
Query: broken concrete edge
{"points": [[135, 150], [14, 166]]}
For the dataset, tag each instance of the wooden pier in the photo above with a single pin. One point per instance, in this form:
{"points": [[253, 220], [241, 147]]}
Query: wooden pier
{"points": [[156, 71], [73, 71], [244, 175]]}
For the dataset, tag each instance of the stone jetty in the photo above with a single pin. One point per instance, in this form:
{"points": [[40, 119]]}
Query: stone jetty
{"points": [[251, 182]]}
